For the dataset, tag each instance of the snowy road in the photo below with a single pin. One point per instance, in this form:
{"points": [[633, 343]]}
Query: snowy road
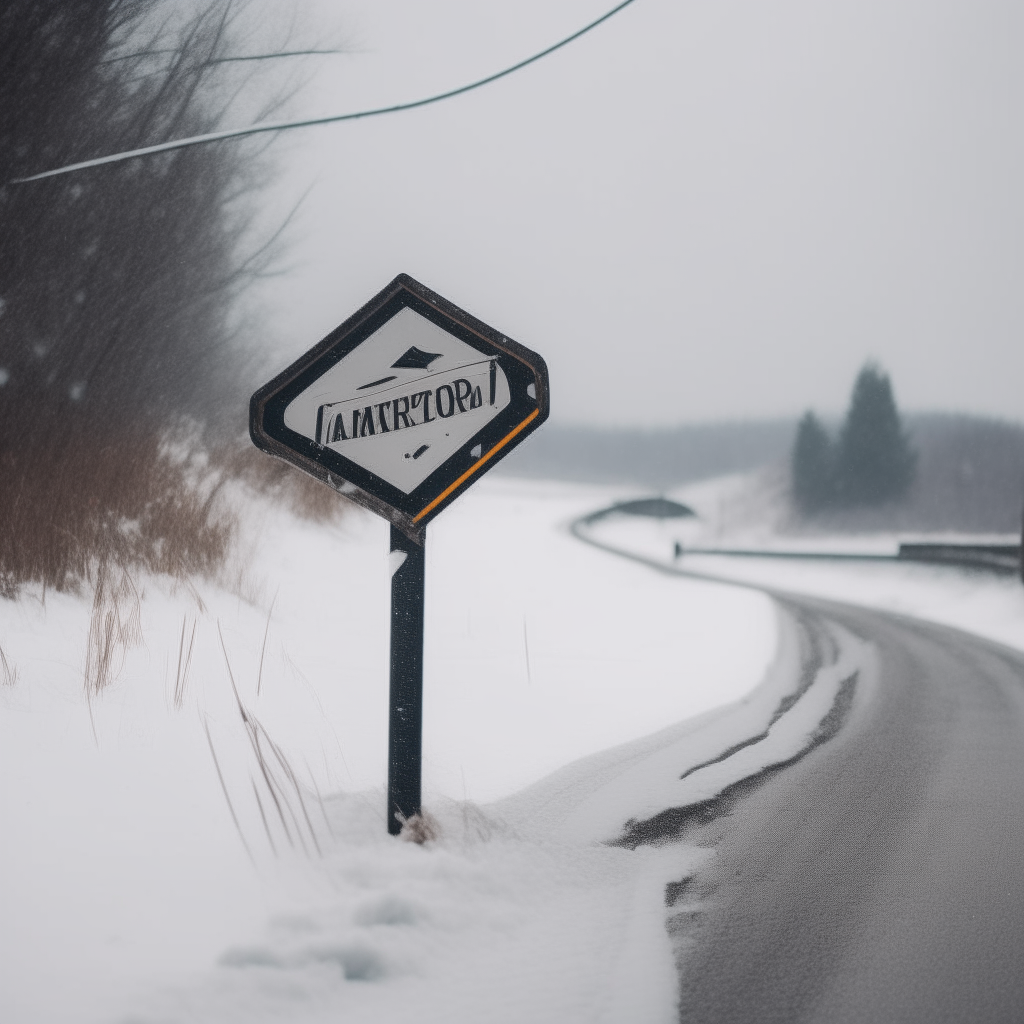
{"points": [[881, 877]]}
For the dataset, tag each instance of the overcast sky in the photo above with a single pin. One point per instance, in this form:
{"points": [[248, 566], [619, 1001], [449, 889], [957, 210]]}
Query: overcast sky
{"points": [[703, 210]]}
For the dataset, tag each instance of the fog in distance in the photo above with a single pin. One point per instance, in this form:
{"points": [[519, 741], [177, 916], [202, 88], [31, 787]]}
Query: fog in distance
{"points": [[696, 212]]}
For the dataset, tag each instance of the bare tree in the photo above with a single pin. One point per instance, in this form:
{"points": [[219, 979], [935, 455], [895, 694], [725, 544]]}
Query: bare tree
{"points": [[117, 283]]}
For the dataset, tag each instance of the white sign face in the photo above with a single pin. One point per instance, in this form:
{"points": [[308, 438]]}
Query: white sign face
{"points": [[403, 401], [403, 406]]}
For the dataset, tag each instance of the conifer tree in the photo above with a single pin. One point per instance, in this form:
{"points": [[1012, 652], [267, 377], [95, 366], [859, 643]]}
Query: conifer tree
{"points": [[874, 461], [813, 465]]}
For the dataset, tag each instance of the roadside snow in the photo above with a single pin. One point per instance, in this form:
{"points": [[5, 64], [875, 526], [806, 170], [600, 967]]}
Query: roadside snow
{"points": [[164, 858], [567, 692], [975, 600], [129, 894]]}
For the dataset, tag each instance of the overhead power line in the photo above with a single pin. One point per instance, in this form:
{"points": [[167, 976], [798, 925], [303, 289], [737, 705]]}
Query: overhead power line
{"points": [[234, 133]]}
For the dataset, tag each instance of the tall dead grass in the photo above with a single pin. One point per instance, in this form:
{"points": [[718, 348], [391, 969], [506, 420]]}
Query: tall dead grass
{"points": [[8, 672], [286, 803], [184, 663], [114, 628], [275, 479], [81, 498], [77, 502]]}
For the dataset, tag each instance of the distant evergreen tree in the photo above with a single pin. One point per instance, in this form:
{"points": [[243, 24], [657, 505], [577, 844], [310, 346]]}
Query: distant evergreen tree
{"points": [[813, 465], [874, 461]]}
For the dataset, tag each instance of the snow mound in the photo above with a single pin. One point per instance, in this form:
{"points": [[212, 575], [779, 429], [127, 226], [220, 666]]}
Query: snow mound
{"points": [[203, 837]]}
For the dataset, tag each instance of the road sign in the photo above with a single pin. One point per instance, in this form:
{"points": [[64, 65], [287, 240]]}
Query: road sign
{"points": [[404, 405], [401, 409]]}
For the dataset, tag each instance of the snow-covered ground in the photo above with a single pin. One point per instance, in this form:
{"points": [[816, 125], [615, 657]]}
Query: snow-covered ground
{"points": [[163, 858], [204, 839], [976, 600]]}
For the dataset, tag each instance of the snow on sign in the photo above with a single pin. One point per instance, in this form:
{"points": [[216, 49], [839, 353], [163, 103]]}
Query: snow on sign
{"points": [[404, 405]]}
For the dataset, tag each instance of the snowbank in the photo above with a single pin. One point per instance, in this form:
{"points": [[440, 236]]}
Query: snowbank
{"points": [[129, 891], [976, 600]]}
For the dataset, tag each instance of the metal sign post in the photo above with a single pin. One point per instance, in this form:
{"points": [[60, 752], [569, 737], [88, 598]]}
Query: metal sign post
{"points": [[401, 408], [405, 723]]}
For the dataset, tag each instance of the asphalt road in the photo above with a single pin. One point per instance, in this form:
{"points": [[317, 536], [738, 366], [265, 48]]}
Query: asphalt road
{"points": [[881, 877]]}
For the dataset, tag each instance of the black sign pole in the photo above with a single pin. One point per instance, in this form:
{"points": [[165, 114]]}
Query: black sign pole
{"points": [[405, 726], [408, 361]]}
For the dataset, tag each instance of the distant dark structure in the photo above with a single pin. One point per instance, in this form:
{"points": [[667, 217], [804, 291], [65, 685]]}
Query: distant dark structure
{"points": [[871, 463], [648, 508], [655, 508]]}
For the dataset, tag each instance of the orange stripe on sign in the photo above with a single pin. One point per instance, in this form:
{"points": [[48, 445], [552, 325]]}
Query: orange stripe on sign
{"points": [[472, 469]]}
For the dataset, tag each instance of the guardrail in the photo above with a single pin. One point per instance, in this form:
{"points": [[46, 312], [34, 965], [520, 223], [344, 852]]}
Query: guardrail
{"points": [[1000, 558], [1004, 559]]}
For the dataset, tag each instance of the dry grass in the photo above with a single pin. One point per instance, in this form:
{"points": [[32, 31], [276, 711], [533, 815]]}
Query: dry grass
{"points": [[184, 663], [224, 790], [8, 672], [75, 501], [280, 482], [88, 507], [115, 627], [420, 828], [281, 784]]}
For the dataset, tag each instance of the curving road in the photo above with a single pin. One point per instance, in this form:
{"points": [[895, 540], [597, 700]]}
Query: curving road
{"points": [[880, 878]]}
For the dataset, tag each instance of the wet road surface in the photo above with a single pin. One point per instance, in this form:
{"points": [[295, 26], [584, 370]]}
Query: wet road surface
{"points": [[880, 878]]}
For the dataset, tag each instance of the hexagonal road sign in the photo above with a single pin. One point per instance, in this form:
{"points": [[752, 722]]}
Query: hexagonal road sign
{"points": [[403, 406]]}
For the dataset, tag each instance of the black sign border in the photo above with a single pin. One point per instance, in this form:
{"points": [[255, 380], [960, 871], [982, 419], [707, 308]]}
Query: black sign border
{"points": [[409, 512]]}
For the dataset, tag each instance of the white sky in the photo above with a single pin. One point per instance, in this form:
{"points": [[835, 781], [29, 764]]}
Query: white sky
{"points": [[701, 210]]}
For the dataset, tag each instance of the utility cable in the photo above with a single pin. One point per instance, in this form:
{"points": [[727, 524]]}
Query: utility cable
{"points": [[234, 133]]}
